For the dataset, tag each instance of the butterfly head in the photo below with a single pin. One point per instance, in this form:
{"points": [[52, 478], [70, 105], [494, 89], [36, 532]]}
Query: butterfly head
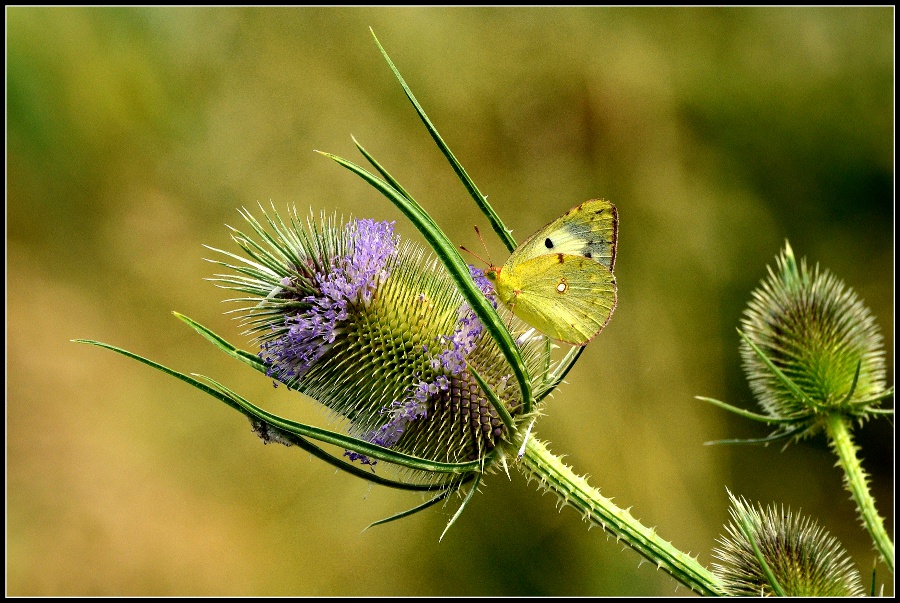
{"points": [[492, 273]]}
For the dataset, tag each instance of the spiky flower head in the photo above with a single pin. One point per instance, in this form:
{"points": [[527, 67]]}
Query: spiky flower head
{"points": [[801, 558], [822, 339], [376, 331]]}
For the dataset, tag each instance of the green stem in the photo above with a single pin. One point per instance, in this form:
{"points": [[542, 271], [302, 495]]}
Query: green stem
{"points": [[574, 490], [856, 481]]}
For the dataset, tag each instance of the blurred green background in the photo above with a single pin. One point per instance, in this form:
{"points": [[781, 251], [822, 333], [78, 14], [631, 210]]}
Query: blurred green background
{"points": [[135, 134]]}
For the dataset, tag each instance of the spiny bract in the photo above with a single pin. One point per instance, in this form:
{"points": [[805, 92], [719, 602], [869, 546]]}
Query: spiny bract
{"points": [[818, 333]]}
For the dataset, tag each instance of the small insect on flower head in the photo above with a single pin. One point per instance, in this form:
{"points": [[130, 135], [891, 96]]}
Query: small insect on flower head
{"points": [[377, 332]]}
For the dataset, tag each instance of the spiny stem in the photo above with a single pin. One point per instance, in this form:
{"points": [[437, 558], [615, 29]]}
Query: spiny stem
{"points": [[855, 480], [574, 490]]}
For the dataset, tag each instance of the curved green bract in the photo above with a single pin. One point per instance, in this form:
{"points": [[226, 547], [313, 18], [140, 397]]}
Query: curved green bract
{"points": [[242, 355], [239, 403], [458, 271], [496, 223], [441, 496], [507, 418], [465, 502], [745, 413], [743, 523], [339, 439]]}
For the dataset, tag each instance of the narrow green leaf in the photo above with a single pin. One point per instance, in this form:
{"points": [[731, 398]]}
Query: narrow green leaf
{"points": [[881, 411], [561, 371], [781, 376], [767, 571], [463, 505], [745, 413], [458, 270], [354, 470], [496, 223], [180, 376], [776, 436], [223, 345], [294, 438], [548, 359], [384, 174], [507, 419], [222, 393], [876, 398], [853, 384], [344, 441], [350, 468], [412, 511]]}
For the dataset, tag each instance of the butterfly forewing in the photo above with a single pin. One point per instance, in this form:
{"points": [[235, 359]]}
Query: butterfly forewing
{"points": [[567, 297], [588, 230]]}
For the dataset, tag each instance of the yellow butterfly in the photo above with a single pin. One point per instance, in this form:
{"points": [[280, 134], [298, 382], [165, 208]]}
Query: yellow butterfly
{"points": [[560, 279]]}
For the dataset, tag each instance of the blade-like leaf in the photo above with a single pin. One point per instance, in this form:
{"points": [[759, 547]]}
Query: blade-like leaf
{"points": [[344, 441], [776, 436], [180, 376], [561, 371], [507, 419], [881, 411], [792, 387], [876, 398], [463, 505], [496, 223], [223, 345], [412, 511], [222, 393], [352, 469], [293, 438], [853, 384], [458, 270], [384, 174], [767, 571], [745, 413]]}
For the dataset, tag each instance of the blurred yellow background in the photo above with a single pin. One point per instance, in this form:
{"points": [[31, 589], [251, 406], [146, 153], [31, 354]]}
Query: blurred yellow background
{"points": [[135, 134]]}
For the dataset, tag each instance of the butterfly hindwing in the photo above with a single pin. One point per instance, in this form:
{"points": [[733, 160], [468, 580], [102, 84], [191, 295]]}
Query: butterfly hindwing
{"points": [[588, 230], [568, 297]]}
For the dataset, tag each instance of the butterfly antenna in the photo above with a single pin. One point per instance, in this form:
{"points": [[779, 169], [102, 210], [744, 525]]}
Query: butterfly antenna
{"points": [[489, 263], [475, 254], [488, 253]]}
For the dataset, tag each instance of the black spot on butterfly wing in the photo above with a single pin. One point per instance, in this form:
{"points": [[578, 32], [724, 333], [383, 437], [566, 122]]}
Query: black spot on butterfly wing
{"points": [[548, 243]]}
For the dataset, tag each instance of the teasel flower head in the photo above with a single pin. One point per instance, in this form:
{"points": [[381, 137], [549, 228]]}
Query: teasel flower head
{"points": [[376, 331], [768, 552], [811, 347]]}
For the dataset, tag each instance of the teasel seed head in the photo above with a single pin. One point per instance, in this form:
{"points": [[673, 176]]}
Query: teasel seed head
{"points": [[818, 333], [803, 559]]}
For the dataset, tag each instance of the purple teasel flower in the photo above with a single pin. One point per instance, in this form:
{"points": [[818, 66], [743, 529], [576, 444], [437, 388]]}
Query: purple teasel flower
{"points": [[377, 332]]}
